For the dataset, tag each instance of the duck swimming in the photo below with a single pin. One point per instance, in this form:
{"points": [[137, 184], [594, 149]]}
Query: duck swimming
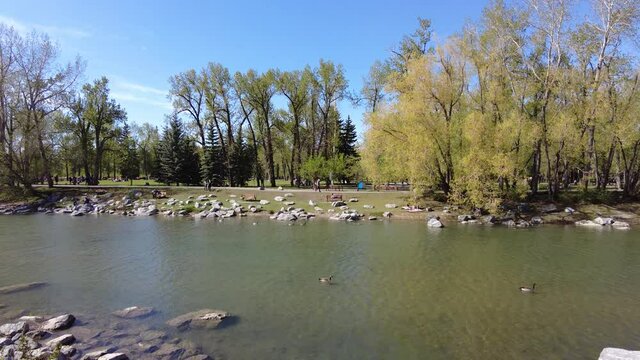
{"points": [[526, 289], [326, 280]]}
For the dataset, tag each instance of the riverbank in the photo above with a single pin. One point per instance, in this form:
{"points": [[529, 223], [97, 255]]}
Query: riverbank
{"points": [[295, 204], [124, 334]]}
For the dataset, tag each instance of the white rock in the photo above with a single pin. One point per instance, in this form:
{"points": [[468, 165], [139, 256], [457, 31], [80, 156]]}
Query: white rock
{"points": [[603, 221], [618, 354], [434, 223], [278, 198], [353, 200], [368, 206], [587, 223], [390, 206], [312, 203], [264, 202], [622, 225], [288, 195]]}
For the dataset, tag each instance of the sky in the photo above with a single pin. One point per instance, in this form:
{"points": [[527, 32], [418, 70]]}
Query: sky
{"points": [[139, 44]]}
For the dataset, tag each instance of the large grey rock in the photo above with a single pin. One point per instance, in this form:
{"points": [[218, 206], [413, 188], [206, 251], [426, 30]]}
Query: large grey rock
{"points": [[618, 354], [169, 351], [434, 223], [588, 223], [621, 225], [59, 323], [12, 329], [20, 287], [199, 357], [202, 318], [5, 341], [68, 351], [134, 312], [548, 208], [94, 355], [114, 356], [66, 339], [603, 221]]}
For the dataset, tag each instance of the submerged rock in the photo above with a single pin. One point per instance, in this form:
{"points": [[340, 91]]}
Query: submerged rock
{"points": [[202, 318], [133, 312], [21, 287]]}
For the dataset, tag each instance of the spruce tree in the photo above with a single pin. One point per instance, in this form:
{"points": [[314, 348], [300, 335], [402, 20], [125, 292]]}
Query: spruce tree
{"points": [[170, 147], [242, 162], [213, 169], [190, 162], [129, 161], [347, 139]]}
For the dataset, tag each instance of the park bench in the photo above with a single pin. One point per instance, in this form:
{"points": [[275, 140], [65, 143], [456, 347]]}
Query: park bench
{"points": [[336, 187]]}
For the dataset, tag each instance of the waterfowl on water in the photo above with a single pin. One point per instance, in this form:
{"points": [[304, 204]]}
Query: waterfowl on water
{"points": [[326, 280], [526, 289]]}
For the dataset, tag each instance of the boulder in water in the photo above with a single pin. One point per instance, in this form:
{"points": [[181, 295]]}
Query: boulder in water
{"points": [[618, 354], [434, 223], [134, 312], [21, 287], [59, 323], [202, 318]]}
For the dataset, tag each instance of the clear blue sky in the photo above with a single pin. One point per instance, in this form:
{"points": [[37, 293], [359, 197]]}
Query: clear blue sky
{"points": [[139, 44]]}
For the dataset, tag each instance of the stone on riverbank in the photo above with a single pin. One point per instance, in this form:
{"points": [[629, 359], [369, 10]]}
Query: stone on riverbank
{"points": [[59, 323], [133, 312], [21, 287], [11, 329], [114, 356], [207, 318], [66, 339]]}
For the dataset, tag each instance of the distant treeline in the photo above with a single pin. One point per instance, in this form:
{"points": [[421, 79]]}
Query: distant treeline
{"points": [[224, 129]]}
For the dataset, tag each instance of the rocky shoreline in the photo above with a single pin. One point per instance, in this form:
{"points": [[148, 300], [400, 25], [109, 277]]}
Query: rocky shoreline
{"points": [[208, 206], [120, 336]]}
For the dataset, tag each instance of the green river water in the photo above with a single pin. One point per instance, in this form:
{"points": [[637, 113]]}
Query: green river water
{"points": [[401, 291]]}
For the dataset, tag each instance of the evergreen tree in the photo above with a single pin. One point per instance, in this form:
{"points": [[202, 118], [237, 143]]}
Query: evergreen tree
{"points": [[213, 168], [347, 139], [129, 161], [242, 162], [170, 164], [189, 162]]}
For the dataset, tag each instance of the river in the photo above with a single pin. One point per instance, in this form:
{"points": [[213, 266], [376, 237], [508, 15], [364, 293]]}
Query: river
{"points": [[400, 291]]}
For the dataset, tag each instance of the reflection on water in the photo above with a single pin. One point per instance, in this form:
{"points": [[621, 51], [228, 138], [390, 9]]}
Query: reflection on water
{"points": [[400, 290]]}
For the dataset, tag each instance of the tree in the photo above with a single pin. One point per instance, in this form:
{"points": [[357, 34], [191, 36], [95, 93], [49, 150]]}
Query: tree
{"points": [[213, 163], [331, 85], [104, 115], [347, 139], [170, 152], [129, 162], [187, 95], [258, 90], [295, 86]]}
